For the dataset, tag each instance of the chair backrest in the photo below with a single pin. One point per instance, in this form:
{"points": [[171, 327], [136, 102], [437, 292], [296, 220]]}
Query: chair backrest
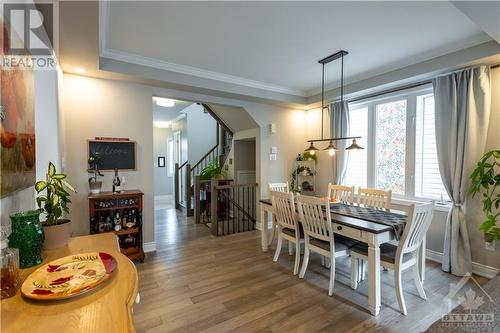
{"points": [[342, 193], [278, 187], [314, 214], [284, 209], [374, 198], [419, 220]]}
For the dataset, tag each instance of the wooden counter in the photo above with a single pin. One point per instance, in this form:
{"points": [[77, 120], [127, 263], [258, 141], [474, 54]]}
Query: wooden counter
{"points": [[106, 309]]}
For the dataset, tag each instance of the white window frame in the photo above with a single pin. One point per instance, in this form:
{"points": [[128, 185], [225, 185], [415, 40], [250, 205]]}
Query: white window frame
{"points": [[410, 95]]}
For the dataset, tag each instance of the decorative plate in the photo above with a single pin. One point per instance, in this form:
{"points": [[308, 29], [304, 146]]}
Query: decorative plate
{"points": [[69, 276]]}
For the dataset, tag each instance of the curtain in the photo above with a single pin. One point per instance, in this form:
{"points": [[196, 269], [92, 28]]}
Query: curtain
{"points": [[462, 110], [339, 126]]}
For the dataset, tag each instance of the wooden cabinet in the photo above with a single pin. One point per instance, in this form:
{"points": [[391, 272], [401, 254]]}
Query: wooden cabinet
{"points": [[120, 213]]}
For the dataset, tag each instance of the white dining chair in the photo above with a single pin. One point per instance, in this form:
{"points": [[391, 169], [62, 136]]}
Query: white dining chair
{"points": [[318, 234], [374, 198], [288, 227], [341, 193], [279, 187], [402, 256]]}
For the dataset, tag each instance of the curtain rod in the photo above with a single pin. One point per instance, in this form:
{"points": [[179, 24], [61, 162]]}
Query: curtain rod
{"points": [[400, 88]]}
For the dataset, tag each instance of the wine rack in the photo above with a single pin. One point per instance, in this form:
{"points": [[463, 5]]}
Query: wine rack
{"points": [[120, 213]]}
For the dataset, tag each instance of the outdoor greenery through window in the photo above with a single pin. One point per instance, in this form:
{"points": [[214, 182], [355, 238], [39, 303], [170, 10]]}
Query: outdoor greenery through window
{"points": [[398, 133]]}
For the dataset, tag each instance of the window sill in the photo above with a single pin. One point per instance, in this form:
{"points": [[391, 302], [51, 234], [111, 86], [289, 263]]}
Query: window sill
{"points": [[438, 206]]}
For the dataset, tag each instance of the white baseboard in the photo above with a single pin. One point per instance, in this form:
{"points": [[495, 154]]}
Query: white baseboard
{"points": [[477, 268], [149, 247]]}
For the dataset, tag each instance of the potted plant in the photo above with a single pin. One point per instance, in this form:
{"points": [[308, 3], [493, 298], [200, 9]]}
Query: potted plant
{"points": [[485, 180], [54, 204], [212, 171], [94, 162]]}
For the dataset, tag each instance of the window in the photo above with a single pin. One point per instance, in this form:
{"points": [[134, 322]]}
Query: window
{"points": [[170, 157], [400, 145], [390, 142], [358, 161], [428, 182]]}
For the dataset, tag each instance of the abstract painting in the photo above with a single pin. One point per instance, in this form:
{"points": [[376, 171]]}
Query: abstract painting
{"points": [[17, 127]]}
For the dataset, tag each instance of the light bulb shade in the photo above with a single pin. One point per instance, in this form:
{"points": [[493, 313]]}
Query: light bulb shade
{"points": [[331, 146], [311, 149], [354, 146]]}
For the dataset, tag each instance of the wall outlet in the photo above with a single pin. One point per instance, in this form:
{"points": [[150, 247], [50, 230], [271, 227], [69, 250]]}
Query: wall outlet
{"points": [[490, 246]]}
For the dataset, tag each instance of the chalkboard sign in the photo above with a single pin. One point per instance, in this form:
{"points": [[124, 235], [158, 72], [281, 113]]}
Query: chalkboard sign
{"points": [[114, 154]]}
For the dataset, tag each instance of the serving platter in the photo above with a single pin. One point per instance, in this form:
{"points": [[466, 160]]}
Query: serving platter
{"points": [[69, 276]]}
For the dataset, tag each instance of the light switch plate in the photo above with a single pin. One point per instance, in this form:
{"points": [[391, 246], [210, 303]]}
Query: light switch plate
{"points": [[274, 150], [272, 157]]}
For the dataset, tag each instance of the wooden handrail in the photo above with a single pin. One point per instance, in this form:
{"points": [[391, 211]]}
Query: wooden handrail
{"points": [[225, 187], [204, 156], [217, 118], [182, 165]]}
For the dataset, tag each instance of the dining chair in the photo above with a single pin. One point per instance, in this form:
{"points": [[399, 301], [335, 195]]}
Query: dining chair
{"points": [[402, 256], [374, 198], [341, 193], [278, 187], [288, 227], [318, 234]]}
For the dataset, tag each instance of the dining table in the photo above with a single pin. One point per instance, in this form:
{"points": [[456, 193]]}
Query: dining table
{"points": [[359, 223]]}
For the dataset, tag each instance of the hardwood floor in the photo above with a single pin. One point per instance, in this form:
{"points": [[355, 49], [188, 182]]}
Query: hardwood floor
{"points": [[199, 283]]}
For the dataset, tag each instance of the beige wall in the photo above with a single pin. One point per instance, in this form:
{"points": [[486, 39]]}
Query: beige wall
{"points": [[97, 107], [94, 107]]}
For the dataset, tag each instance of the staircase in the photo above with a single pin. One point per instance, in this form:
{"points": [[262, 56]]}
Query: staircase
{"points": [[185, 173]]}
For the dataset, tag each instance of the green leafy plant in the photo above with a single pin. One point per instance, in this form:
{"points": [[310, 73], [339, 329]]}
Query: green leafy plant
{"points": [[56, 199], [485, 180], [306, 156], [94, 162], [212, 171]]}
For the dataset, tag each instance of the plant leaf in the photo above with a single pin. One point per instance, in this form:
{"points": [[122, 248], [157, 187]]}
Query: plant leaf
{"points": [[59, 176], [40, 186], [52, 169], [68, 185]]}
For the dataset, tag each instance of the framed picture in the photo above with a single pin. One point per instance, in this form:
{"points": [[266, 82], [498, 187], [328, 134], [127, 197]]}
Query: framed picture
{"points": [[161, 161]]}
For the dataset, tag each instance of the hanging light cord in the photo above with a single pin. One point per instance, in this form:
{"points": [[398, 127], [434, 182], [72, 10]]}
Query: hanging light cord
{"points": [[322, 96]]}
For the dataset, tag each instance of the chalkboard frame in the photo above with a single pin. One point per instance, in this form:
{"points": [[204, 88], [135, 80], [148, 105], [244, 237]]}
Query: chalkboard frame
{"points": [[115, 141]]}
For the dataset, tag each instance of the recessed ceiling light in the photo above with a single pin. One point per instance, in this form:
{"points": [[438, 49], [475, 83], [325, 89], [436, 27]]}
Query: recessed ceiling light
{"points": [[164, 102], [80, 70], [161, 124]]}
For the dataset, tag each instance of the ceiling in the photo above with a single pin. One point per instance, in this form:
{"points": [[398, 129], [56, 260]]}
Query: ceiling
{"points": [[169, 113], [277, 44], [268, 51]]}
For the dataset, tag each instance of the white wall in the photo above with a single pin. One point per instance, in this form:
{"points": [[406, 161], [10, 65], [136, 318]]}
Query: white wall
{"points": [[201, 132], [164, 183]]}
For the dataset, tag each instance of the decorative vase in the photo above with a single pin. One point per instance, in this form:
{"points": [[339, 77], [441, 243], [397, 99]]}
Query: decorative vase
{"points": [[57, 236], [27, 236], [95, 187]]}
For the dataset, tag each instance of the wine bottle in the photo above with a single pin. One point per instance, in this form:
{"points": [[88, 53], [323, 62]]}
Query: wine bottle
{"points": [[118, 222], [116, 183]]}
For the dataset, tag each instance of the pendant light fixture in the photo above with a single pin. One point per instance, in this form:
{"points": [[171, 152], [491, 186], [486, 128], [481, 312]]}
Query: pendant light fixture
{"points": [[331, 147]]}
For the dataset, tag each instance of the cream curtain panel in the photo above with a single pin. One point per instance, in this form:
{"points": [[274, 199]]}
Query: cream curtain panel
{"points": [[339, 127], [462, 112]]}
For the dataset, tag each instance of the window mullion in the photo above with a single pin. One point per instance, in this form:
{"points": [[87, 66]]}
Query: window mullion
{"points": [[371, 172], [411, 111]]}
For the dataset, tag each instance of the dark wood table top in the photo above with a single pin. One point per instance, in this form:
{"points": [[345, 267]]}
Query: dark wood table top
{"points": [[353, 222]]}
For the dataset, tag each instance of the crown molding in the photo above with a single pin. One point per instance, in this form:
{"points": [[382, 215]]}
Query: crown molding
{"points": [[197, 72]]}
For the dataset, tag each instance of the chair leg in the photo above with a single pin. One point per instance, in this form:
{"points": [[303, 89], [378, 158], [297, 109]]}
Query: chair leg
{"points": [[290, 247], [399, 290], [418, 283], [305, 261], [278, 248], [361, 269], [332, 274], [297, 258], [354, 272]]}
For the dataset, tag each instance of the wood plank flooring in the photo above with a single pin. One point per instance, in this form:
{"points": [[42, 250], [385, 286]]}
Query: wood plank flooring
{"points": [[199, 283]]}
